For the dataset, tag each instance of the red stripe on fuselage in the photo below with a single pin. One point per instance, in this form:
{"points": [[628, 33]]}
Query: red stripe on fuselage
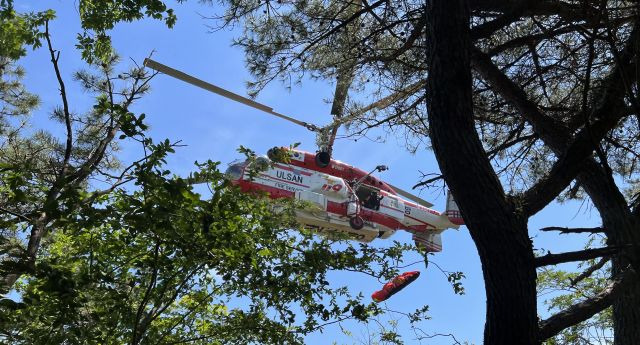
{"points": [[420, 207], [419, 221], [340, 169], [338, 208], [274, 193], [381, 218]]}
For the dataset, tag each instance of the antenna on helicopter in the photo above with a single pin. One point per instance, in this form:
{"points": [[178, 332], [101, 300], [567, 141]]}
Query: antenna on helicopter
{"points": [[323, 157], [379, 168]]}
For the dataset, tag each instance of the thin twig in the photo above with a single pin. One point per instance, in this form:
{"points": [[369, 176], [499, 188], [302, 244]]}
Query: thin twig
{"points": [[65, 103]]}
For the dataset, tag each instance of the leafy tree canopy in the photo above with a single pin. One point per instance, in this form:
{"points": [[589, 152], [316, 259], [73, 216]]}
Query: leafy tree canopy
{"points": [[96, 251], [546, 79]]}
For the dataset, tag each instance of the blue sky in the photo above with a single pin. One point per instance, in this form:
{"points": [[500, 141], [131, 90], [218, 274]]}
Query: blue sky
{"points": [[213, 127]]}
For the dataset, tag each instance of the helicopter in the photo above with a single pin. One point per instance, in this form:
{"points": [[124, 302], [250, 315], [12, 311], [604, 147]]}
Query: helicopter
{"points": [[336, 197]]}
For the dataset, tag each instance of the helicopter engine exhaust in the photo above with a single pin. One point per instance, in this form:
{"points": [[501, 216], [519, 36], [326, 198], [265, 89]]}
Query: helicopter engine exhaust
{"points": [[323, 158]]}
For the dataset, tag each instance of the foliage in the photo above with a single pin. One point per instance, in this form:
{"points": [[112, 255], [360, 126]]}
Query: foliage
{"points": [[99, 16], [163, 264], [17, 31], [560, 289], [95, 251], [378, 46], [42, 176], [551, 78]]}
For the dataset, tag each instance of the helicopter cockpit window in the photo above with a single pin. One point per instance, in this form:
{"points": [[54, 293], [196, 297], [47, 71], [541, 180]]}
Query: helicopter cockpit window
{"points": [[369, 197], [262, 163], [235, 170]]}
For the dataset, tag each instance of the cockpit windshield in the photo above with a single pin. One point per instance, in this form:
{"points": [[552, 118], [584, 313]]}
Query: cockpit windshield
{"points": [[262, 163], [235, 170]]}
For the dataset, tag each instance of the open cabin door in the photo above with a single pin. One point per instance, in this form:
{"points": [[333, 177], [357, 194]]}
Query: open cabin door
{"points": [[373, 199]]}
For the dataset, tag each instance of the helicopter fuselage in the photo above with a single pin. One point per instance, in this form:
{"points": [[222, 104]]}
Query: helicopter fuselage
{"points": [[333, 196], [337, 196]]}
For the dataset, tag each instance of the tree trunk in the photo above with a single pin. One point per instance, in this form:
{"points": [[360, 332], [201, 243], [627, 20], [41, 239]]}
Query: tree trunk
{"points": [[621, 227], [498, 230], [619, 223]]}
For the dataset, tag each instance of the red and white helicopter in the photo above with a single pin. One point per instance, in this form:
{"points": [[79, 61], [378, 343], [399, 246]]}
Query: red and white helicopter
{"points": [[338, 197]]}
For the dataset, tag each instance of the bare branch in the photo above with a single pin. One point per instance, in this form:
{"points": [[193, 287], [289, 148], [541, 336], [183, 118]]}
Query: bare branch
{"points": [[20, 216], [426, 182], [562, 230], [65, 103], [589, 271], [580, 255]]}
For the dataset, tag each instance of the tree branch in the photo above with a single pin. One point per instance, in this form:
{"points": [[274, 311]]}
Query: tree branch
{"points": [[139, 85], [337, 28], [589, 271], [578, 150], [587, 308], [569, 12], [20, 216], [428, 181], [382, 103], [416, 33], [554, 259], [512, 12], [65, 103], [574, 230], [136, 335], [511, 143]]}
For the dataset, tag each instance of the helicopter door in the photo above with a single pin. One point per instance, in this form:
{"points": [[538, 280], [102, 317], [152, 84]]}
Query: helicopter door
{"points": [[392, 206], [369, 197]]}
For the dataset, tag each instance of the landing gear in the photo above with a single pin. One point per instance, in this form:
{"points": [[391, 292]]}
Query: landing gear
{"points": [[323, 158], [356, 222]]}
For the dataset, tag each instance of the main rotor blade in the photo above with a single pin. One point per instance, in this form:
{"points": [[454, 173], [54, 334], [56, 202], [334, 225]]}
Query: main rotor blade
{"points": [[411, 197], [222, 92]]}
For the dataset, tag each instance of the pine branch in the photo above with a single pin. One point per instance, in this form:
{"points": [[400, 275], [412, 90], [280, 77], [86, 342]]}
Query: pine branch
{"points": [[576, 151], [507, 144], [382, 103]]}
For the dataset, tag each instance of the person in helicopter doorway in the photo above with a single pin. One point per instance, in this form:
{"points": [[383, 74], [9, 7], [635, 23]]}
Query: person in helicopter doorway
{"points": [[373, 201]]}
